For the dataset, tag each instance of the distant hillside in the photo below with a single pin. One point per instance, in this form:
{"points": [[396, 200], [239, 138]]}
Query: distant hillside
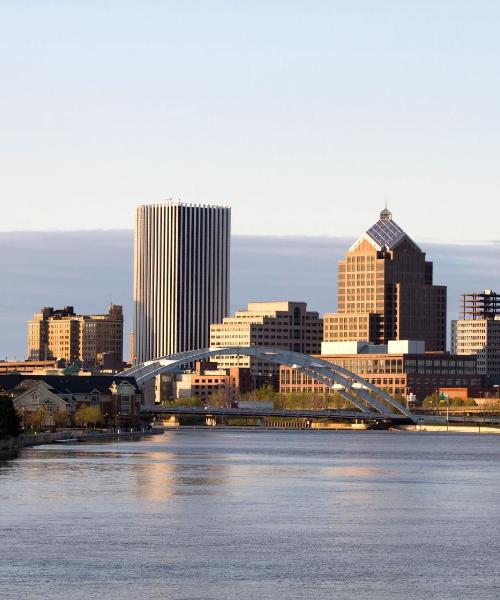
{"points": [[88, 269]]}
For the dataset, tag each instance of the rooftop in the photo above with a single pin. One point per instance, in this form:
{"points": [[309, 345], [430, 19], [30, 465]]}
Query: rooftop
{"points": [[385, 234], [69, 384]]}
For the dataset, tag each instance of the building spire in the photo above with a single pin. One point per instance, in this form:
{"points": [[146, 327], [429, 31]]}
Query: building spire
{"points": [[386, 215]]}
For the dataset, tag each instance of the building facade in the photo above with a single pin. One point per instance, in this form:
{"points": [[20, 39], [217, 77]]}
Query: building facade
{"points": [[207, 382], [399, 373], [92, 340], [181, 277], [386, 291], [477, 332], [286, 325], [27, 366]]}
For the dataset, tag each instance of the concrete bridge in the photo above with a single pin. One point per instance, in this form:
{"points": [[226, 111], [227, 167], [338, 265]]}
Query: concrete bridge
{"points": [[368, 400]]}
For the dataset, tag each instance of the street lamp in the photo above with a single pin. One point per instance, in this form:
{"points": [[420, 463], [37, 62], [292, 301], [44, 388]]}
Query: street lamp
{"points": [[447, 411]]}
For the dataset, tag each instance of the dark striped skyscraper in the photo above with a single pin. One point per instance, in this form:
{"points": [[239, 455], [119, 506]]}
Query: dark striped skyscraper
{"points": [[181, 276]]}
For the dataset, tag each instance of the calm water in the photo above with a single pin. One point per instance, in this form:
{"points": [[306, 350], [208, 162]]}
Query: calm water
{"points": [[265, 515]]}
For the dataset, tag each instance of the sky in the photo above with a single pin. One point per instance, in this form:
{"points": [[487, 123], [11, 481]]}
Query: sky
{"points": [[89, 269], [305, 117]]}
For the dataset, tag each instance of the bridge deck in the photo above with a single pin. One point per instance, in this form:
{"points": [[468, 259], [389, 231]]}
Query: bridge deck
{"points": [[276, 413]]}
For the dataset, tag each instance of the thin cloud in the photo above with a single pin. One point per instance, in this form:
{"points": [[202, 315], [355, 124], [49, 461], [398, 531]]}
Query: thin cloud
{"points": [[89, 269]]}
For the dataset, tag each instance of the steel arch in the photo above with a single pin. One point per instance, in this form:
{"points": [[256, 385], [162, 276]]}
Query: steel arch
{"points": [[352, 387]]}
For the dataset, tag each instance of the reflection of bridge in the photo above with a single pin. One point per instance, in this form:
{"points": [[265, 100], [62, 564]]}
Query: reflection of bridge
{"points": [[370, 400]]}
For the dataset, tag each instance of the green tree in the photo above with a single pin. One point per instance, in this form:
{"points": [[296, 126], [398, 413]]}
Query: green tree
{"points": [[189, 402], [81, 416], [32, 419], [429, 401], [217, 398], [88, 415], [266, 392], [10, 422], [93, 415], [61, 418], [337, 402], [263, 394]]}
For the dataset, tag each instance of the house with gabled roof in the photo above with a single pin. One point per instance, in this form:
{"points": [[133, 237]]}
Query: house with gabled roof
{"points": [[118, 398]]}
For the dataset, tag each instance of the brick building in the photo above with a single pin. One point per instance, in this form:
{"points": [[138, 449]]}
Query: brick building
{"points": [[397, 370], [206, 380]]}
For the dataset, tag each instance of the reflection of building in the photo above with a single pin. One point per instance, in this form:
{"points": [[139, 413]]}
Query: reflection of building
{"points": [[207, 380], [181, 277], [118, 398], [385, 291], [286, 325], [400, 367], [478, 332], [90, 339]]}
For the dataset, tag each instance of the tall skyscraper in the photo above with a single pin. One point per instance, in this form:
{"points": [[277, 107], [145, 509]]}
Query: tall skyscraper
{"points": [[181, 276], [385, 291]]}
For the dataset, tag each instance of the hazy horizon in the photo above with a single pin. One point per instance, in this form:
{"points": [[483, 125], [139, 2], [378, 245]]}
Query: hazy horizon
{"points": [[88, 269]]}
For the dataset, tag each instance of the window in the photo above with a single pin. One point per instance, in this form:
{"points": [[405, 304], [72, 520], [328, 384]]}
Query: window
{"points": [[125, 405]]}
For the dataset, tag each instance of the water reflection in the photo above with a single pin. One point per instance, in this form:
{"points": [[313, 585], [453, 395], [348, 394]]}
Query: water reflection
{"points": [[7, 460], [256, 515], [164, 474]]}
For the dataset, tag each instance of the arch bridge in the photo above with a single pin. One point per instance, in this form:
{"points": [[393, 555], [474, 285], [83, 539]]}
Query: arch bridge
{"points": [[369, 400]]}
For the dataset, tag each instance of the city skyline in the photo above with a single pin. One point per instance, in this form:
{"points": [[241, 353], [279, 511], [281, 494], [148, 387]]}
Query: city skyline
{"points": [[257, 263], [289, 116]]}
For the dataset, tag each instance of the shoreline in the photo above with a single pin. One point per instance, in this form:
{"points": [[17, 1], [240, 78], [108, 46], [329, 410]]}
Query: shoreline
{"points": [[40, 439], [11, 447]]}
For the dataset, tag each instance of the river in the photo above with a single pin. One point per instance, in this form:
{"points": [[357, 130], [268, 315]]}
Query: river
{"points": [[216, 514]]}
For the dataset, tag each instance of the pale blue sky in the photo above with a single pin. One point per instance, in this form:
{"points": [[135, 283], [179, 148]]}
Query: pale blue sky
{"points": [[303, 116]]}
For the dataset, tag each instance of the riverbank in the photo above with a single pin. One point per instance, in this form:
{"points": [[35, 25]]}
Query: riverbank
{"points": [[475, 428], [78, 435]]}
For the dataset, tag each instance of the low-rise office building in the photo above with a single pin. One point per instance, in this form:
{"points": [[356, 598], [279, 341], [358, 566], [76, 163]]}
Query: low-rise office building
{"points": [[285, 325], [27, 366], [401, 368]]}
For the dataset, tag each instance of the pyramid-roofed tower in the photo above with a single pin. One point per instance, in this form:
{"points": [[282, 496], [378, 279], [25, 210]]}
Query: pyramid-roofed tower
{"points": [[386, 291], [384, 234]]}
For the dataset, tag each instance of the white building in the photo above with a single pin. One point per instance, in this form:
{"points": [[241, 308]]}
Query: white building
{"points": [[480, 337], [181, 276]]}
